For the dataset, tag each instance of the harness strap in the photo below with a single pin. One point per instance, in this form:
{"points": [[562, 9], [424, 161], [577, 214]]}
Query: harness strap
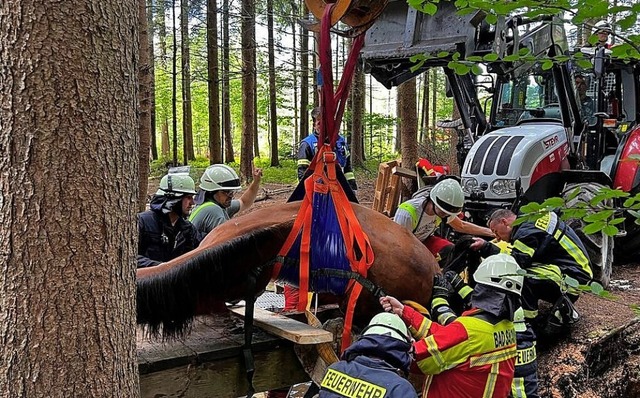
{"points": [[249, 364], [344, 274]]}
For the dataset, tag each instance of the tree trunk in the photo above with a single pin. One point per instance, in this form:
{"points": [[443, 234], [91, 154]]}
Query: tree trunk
{"points": [[187, 118], [304, 74], [248, 26], [273, 119], [434, 105], [297, 131], [226, 101], [161, 25], [144, 111], [409, 128], [69, 148], [174, 85], [357, 126], [424, 112], [152, 72], [215, 146]]}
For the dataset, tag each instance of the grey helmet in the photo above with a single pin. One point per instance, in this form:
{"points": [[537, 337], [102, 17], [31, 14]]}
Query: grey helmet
{"points": [[176, 185], [219, 177]]}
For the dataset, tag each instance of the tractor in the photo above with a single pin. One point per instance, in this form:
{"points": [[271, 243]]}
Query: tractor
{"points": [[543, 136]]}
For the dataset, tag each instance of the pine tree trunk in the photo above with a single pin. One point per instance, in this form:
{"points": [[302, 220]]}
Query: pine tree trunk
{"points": [[215, 145], [273, 118], [248, 27], [357, 127], [161, 25], [187, 117], [226, 101], [409, 127], [152, 71], [144, 108], [69, 142], [304, 73]]}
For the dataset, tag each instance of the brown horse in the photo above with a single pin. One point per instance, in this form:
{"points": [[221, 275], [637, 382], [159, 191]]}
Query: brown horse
{"points": [[171, 294]]}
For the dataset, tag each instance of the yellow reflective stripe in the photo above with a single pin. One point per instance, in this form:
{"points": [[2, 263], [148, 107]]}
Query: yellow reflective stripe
{"points": [[444, 318], [432, 348], [530, 314], [427, 384], [574, 251], [523, 248], [350, 176], [351, 387], [438, 301], [548, 271], [465, 291], [304, 162], [199, 208], [517, 388], [422, 331], [491, 381], [526, 356], [412, 212], [494, 357]]}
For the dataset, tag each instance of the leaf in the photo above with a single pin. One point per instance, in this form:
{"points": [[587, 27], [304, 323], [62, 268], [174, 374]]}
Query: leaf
{"points": [[629, 202], [476, 70], [571, 282], [610, 230], [443, 54], [553, 202], [490, 57], [511, 58], [474, 58], [628, 22], [491, 19], [584, 63], [531, 207], [596, 288], [547, 64], [594, 227], [574, 194], [524, 51], [599, 215], [617, 221]]}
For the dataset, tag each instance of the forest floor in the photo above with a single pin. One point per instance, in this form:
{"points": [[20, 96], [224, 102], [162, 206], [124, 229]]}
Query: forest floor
{"points": [[598, 357]]}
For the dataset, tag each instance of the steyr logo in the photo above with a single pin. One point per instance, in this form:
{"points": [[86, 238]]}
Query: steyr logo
{"points": [[549, 142]]}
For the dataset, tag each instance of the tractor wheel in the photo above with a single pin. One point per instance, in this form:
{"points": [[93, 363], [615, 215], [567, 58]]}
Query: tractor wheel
{"points": [[599, 246]]}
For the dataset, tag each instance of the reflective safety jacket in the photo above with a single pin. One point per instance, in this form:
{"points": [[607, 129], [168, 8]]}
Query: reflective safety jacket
{"points": [[468, 358], [309, 147], [367, 370], [546, 241], [525, 380]]}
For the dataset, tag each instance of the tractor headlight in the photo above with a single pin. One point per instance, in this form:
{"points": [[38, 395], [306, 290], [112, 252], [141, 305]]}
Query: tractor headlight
{"points": [[503, 187], [469, 185]]}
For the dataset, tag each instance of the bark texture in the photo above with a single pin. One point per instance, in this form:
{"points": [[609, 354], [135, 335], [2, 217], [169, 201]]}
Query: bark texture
{"points": [[68, 177]]}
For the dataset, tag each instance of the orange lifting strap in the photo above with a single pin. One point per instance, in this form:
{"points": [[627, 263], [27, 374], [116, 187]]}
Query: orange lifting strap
{"points": [[323, 178]]}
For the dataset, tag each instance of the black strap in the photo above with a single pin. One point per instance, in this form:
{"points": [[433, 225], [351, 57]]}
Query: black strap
{"points": [[344, 274], [248, 332]]}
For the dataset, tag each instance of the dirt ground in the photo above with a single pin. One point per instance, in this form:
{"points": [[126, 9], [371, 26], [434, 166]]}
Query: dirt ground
{"points": [[598, 357]]}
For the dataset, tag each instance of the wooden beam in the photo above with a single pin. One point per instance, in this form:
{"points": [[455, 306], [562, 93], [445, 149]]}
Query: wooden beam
{"points": [[402, 172], [286, 328]]}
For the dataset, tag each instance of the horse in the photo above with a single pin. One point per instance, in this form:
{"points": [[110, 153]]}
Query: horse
{"points": [[171, 294]]}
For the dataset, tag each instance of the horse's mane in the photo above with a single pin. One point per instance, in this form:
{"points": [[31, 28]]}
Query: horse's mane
{"points": [[167, 302]]}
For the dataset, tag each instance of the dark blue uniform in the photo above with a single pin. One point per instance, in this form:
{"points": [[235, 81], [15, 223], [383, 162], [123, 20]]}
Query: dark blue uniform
{"points": [[371, 367]]}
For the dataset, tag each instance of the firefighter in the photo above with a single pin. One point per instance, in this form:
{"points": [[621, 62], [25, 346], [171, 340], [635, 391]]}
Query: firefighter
{"points": [[376, 365], [472, 355], [549, 250], [163, 231], [423, 213], [215, 203], [525, 380], [602, 30], [309, 147]]}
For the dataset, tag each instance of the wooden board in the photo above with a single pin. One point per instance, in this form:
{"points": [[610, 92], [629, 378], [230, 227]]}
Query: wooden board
{"points": [[286, 328], [208, 361]]}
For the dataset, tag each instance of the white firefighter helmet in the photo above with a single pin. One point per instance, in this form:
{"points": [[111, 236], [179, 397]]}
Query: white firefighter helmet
{"points": [[176, 185], [220, 177], [447, 195], [500, 271], [388, 324], [602, 26]]}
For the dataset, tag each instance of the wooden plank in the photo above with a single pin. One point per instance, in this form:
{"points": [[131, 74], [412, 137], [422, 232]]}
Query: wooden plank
{"points": [[402, 172], [287, 328], [276, 368]]}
